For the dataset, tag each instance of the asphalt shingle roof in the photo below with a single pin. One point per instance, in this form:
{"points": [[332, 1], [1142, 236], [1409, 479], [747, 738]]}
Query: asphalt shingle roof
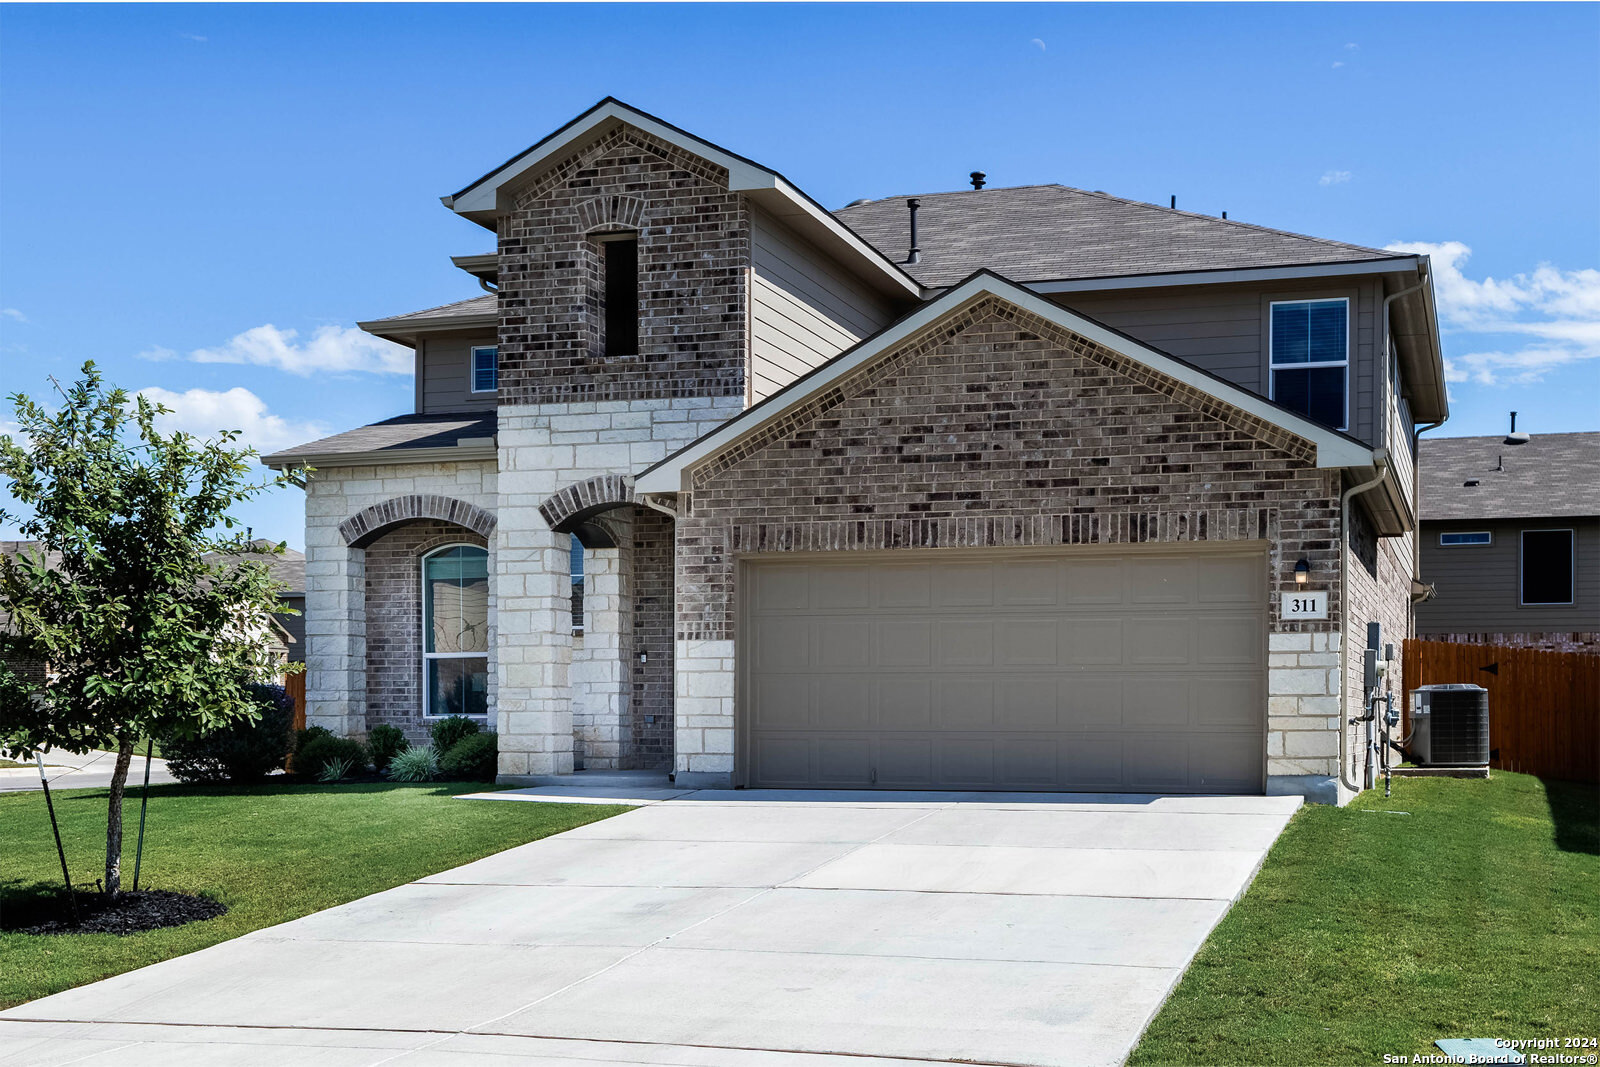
{"points": [[1053, 232], [1554, 475], [434, 430], [461, 309]]}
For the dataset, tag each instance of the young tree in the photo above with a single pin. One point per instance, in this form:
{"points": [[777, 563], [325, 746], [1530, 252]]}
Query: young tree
{"points": [[137, 631]]}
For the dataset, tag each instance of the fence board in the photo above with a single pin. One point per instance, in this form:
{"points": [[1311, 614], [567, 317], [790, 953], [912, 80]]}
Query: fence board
{"points": [[1544, 707], [295, 684]]}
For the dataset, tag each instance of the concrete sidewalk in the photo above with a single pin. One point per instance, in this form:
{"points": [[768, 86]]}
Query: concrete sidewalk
{"points": [[715, 927], [81, 770]]}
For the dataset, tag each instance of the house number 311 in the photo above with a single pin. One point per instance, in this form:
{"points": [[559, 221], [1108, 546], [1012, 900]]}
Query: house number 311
{"points": [[1305, 606]]}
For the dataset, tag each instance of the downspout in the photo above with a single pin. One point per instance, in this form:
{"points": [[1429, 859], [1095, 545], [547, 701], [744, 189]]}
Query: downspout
{"points": [[1380, 461]]}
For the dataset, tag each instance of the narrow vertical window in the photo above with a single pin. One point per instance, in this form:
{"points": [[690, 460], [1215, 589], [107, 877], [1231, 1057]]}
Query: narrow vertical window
{"points": [[621, 295], [577, 585], [1310, 358], [455, 631], [485, 369]]}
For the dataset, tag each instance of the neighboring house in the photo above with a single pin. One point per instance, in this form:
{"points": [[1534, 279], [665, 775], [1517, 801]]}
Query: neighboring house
{"points": [[989, 489], [1511, 540]]}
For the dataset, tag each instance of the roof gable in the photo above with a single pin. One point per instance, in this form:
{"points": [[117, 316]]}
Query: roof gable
{"points": [[1055, 232], [758, 424], [483, 199]]}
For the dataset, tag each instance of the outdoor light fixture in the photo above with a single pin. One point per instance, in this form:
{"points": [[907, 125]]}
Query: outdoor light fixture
{"points": [[1302, 573]]}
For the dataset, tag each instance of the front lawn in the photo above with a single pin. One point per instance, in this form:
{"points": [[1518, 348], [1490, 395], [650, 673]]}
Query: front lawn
{"points": [[270, 853], [1474, 914]]}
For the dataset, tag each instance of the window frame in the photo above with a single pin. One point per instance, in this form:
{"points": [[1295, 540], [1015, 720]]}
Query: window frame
{"points": [[1572, 567], [472, 369], [1273, 366], [1466, 533], [423, 654]]}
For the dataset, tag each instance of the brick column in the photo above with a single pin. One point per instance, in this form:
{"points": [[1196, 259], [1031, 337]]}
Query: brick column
{"points": [[336, 636], [533, 623]]}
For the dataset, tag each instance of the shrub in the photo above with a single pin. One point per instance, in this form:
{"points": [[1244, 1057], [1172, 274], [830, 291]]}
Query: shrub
{"points": [[321, 750], [334, 770], [386, 742], [473, 758], [240, 751], [450, 729], [415, 765]]}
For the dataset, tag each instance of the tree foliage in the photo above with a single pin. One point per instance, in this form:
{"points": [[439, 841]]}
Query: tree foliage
{"points": [[140, 635]]}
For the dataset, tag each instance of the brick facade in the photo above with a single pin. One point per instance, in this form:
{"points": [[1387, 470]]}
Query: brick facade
{"points": [[652, 724], [996, 428], [694, 251], [394, 620]]}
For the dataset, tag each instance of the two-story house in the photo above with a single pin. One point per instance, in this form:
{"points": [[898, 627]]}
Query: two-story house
{"points": [[1510, 540], [999, 489]]}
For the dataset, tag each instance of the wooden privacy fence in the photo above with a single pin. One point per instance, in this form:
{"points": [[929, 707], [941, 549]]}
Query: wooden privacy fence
{"points": [[296, 686], [1544, 707]]}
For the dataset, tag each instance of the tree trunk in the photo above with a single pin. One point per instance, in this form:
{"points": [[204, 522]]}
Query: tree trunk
{"points": [[119, 783]]}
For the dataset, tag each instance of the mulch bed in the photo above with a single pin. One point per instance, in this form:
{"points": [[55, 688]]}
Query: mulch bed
{"points": [[148, 909]]}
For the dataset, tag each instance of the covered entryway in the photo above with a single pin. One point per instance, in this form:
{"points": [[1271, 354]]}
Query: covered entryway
{"points": [[1103, 668]]}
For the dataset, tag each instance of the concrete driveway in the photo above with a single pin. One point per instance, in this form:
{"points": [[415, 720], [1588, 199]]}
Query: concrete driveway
{"points": [[81, 770], [720, 928]]}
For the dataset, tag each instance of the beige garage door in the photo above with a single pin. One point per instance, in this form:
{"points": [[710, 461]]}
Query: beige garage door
{"points": [[1063, 669]]}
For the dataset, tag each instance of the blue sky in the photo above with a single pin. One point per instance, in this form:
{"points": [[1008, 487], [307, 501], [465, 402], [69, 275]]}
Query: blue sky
{"points": [[205, 198]]}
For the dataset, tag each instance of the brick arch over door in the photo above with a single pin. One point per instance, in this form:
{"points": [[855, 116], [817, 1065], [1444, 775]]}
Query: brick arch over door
{"points": [[366, 525], [569, 510]]}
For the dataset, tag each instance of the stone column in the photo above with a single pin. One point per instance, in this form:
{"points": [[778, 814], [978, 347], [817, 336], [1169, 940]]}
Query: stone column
{"points": [[533, 621], [336, 637]]}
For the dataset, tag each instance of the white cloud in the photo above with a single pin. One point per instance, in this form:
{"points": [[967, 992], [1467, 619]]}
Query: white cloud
{"points": [[1352, 46], [13, 313], [331, 349], [192, 37], [1038, 42], [1338, 63], [1334, 177], [205, 413], [1557, 311]]}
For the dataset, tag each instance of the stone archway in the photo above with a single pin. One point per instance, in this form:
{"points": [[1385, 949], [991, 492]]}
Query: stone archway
{"points": [[368, 523]]}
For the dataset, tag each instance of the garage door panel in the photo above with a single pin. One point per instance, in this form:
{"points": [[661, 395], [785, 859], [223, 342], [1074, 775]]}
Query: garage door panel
{"points": [[905, 702], [1091, 701], [904, 586], [1233, 640], [1028, 703], [843, 760], [782, 643], [963, 703], [1157, 640], [842, 643], [782, 702], [1007, 669], [1090, 642], [963, 585], [904, 643], [964, 643], [1028, 642]]}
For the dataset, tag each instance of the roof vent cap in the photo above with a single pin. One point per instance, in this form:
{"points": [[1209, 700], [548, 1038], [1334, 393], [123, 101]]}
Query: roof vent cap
{"points": [[1471, 482], [978, 178], [1515, 438]]}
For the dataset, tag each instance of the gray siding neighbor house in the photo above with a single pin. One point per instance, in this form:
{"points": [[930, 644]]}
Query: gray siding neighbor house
{"points": [[1511, 540], [997, 489]]}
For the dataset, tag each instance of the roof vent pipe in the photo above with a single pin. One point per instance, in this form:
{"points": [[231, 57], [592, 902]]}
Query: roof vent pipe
{"points": [[915, 255], [1174, 201], [1515, 438], [978, 177]]}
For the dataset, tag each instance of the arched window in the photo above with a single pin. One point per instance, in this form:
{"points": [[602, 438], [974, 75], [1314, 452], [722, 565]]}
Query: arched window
{"points": [[455, 631]]}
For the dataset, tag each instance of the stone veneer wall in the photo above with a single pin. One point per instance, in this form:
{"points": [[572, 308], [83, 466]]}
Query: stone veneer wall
{"points": [[995, 427], [336, 586], [394, 621]]}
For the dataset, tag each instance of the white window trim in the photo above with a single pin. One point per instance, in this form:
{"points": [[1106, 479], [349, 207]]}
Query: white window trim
{"points": [[422, 633], [1466, 544], [472, 370], [1572, 569], [1272, 365]]}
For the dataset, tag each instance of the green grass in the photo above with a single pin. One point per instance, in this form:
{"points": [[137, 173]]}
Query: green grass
{"points": [[271, 853], [1477, 914]]}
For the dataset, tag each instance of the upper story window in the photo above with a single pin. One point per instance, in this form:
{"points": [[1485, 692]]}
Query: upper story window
{"points": [[1310, 358], [1547, 567], [621, 298], [485, 369], [1465, 538]]}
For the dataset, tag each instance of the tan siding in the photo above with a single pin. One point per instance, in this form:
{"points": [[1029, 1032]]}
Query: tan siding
{"points": [[804, 309], [446, 382], [1478, 588], [1223, 329]]}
